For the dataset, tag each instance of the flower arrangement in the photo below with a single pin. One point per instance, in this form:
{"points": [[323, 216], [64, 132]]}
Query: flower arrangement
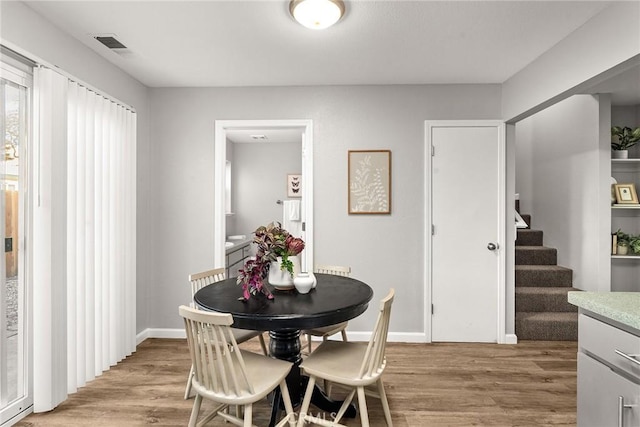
{"points": [[273, 241]]}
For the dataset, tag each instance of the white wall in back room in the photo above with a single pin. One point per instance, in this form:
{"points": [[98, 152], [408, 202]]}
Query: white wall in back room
{"points": [[260, 172]]}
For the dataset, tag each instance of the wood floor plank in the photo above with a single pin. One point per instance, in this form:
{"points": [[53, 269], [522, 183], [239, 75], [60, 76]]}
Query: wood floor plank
{"points": [[532, 383]]}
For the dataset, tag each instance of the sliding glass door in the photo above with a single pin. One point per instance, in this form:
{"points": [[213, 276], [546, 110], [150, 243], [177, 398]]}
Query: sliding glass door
{"points": [[15, 366]]}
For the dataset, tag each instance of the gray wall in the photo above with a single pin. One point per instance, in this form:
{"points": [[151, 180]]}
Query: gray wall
{"points": [[557, 177], [260, 173], [607, 40], [384, 251]]}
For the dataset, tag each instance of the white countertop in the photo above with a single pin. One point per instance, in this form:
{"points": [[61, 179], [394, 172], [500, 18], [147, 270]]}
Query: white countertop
{"points": [[238, 244], [623, 307]]}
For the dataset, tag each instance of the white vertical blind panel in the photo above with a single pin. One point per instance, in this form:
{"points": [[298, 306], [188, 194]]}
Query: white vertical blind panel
{"points": [[106, 235], [97, 233], [131, 231], [49, 240], [72, 220]]}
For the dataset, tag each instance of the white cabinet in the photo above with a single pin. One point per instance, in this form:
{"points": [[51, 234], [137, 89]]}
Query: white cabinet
{"points": [[625, 269], [608, 374], [605, 398], [235, 259]]}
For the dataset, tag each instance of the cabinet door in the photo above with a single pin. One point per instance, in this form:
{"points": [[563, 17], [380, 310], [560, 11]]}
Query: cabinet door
{"points": [[599, 390]]}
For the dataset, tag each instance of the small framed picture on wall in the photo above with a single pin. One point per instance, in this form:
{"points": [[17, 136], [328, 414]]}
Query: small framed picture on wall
{"points": [[294, 185]]}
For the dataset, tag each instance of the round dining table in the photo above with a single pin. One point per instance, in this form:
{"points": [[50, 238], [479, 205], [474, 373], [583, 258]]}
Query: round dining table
{"points": [[335, 299]]}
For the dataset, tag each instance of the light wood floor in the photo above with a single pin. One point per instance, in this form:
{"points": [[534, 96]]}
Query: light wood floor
{"points": [[528, 384]]}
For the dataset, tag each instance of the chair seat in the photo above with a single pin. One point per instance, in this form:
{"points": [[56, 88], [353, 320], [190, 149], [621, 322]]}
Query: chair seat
{"points": [[340, 362], [242, 335], [263, 372], [326, 330]]}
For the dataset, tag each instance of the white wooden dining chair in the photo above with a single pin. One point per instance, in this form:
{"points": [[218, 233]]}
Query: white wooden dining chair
{"points": [[197, 282], [227, 375], [354, 365], [326, 331]]}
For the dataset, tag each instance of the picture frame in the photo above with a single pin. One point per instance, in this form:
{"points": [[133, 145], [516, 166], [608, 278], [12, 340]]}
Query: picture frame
{"points": [[626, 194], [369, 182], [294, 185]]}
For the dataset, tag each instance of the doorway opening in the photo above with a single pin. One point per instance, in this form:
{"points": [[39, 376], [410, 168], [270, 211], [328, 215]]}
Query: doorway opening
{"points": [[238, 129]]}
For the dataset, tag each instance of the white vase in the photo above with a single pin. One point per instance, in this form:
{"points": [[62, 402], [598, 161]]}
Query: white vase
{"points": [[315, 281], [303, 283], [281, 279], [620, 154]]}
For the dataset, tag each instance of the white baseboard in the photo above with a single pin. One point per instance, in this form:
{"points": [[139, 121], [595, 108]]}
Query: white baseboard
{"points": [[413, 337], [408, 337], [160, 333], [510, 339]]}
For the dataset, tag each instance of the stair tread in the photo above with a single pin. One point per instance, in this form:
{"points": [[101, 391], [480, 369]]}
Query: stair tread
{"points": [[560, 316], [544, 289], [542, 267], [534, 248]]}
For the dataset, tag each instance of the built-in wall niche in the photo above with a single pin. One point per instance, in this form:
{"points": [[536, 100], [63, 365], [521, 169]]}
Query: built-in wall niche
{"points": [[625, 269]]}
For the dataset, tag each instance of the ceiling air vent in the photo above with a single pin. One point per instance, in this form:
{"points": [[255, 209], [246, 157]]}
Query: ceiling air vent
{"points": [[110, 42]]}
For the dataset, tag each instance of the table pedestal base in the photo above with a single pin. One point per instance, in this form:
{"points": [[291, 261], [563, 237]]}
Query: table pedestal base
{"points": [[285, 345]]}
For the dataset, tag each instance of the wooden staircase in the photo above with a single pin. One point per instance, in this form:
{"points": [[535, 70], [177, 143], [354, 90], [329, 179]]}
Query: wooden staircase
{"points": [[542, 310]]}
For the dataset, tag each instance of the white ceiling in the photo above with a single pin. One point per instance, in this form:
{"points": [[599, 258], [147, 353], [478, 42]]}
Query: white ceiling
{"points": [[213, 43], [257, 43]]}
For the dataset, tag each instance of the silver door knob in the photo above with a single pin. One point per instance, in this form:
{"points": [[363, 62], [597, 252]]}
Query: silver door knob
{"points": [[492, 246]]}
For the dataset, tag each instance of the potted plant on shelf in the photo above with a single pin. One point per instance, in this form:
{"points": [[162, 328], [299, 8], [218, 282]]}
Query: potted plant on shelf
{"points": [[634, 244], [623, 242], [276, 258], [623, 138]]}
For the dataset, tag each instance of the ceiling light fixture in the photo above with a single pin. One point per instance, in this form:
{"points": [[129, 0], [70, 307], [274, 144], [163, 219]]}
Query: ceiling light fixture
{"points": [[317, 14]]}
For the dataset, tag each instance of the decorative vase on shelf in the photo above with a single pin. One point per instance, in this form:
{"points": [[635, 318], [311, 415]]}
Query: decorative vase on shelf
{"points": [[623, 249], [281, 279], [303, 283], [620, 154]]}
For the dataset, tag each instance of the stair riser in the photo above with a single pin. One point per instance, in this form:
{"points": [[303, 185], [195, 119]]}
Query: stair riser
{"points": [[548, 256], [543, 303], [544, 278], [527, 237], [527, 329], [527, 219]]}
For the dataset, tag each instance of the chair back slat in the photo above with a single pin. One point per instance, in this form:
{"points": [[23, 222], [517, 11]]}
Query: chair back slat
{"points": [[217, 360], [337, 270], [374, 359], [200, 280]]}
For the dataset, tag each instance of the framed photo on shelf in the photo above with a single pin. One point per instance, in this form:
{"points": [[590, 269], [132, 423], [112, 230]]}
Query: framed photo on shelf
{"points": [[626, 194], [369, 181], [294, 185]]}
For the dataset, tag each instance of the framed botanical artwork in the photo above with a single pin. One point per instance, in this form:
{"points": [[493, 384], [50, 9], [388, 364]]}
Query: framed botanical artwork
{"points": [[369, 181], [294, 185], [626, 194]]}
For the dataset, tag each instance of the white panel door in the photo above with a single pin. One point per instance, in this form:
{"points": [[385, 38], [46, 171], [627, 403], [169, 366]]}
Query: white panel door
{"points": [[466, 210]]}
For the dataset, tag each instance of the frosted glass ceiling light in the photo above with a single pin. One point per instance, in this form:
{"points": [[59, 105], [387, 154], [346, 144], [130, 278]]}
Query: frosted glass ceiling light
{"points": [[317, 14]]}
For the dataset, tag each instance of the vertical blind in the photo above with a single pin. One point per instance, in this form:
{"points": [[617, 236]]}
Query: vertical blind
{"points": [[100, 236]]}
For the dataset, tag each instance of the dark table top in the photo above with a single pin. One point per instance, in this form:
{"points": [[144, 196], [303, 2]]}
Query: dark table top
{"points": [[335, 299]]}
